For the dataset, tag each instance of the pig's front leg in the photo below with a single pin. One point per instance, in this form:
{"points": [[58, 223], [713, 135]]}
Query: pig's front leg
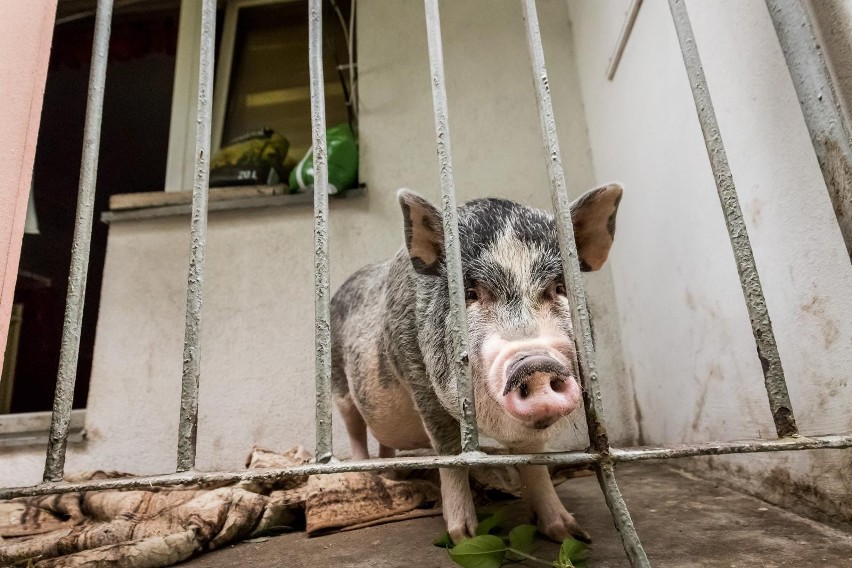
{"points": [[553, 520], [456, 499], [457, 504]]}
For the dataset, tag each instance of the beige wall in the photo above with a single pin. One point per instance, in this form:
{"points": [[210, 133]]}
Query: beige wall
{"points": [[686, 336], [26, 30], [257, 331]]}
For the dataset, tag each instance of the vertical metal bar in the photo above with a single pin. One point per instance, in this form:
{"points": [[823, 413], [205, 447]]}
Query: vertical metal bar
{"points": [[565, 228], [188, 426], [455, 281], [827, 124], [767, 350], [321, 286], [69, 351], [621, 516], [571, 265], [623, 36]]}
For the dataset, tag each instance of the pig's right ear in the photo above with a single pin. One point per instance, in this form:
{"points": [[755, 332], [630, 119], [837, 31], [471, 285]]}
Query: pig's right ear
{"points": [[593, 214], [424, 233]]}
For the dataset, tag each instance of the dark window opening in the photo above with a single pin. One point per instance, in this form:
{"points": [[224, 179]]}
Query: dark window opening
{"points": [[134, 142]]}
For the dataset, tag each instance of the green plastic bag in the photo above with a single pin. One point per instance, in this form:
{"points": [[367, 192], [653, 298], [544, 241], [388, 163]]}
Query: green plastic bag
{"points": [[254, 158], [342, 163]]}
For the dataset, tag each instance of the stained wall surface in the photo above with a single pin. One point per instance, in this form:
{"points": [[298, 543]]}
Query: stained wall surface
{"points": [[687, 341]]}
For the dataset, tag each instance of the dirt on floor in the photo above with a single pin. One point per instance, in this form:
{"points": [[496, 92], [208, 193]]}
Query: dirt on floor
{"points": [[683, 521]]}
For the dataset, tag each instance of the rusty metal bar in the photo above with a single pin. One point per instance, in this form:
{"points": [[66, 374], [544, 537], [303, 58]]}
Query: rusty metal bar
{"points": [[571, 266], [321, 287], [455, 281], [54, 465], [830, 132], [188, 426], [616, 455], [761, 326], [623, 36]]}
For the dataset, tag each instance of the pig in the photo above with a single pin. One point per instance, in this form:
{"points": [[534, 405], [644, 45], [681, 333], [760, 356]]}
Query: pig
{"points": [[391, 347]]}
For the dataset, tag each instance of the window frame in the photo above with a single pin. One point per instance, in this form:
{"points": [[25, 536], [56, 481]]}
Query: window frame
{"points": [[181, 149]]}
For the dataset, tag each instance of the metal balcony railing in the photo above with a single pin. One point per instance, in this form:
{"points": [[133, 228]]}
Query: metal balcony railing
{"points": [[786, 15]]}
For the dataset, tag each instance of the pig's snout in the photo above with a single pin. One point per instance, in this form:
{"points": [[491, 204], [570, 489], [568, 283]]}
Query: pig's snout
{"points": [[539, 390]]}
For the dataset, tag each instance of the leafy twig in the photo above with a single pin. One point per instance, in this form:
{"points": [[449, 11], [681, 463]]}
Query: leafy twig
{"points": [[491, 551]]}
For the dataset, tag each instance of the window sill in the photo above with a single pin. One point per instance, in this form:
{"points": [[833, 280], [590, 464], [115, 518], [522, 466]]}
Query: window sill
{"points": [[158, 204], [33, 428]]}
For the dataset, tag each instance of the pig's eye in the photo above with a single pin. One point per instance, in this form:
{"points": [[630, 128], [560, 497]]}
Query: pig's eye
{"points": [[471, 295], [561, 289]]}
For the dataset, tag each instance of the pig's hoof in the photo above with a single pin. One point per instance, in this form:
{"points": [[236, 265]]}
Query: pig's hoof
{"points": [[563, 525], [462, 529]]}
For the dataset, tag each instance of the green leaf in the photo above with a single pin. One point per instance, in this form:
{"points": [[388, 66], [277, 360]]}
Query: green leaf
{"points": [[572, 552], [443, 541], [488, 524], [484, 551], [521, 538]]}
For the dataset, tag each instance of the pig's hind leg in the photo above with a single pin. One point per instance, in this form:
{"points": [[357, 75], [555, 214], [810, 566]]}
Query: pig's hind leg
{"points": [[355, 426]]}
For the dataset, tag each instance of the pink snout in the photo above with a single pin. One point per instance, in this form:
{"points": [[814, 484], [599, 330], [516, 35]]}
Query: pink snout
{"points": [[539, 390]]}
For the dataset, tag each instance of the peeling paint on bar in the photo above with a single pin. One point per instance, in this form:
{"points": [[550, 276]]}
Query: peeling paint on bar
{"points": [[567, 245], [571, 266], [188, 425], [767, 350], [827, 125], [54, 465], [321, 286], [475, 459], [455, 282]]}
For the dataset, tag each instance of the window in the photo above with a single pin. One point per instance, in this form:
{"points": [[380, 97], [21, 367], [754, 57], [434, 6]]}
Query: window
{"points": [[262, 77]]}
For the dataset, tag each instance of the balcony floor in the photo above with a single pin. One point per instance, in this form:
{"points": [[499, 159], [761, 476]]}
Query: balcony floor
{"points": [[683, 522]]}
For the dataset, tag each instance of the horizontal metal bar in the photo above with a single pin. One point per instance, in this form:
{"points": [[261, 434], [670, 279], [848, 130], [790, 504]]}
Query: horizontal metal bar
{"points": [[830, 132], [474, 459], [188, 425], [761, 326], [797, 442], [623, 36], [322, 317], [76, 296], [460, 367]]}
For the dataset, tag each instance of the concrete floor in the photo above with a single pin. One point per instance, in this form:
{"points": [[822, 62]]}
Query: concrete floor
{"points": [[683, 521]]}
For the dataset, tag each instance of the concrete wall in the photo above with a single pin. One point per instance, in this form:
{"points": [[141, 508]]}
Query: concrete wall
{"points": [[687, 341], [257, 361]]}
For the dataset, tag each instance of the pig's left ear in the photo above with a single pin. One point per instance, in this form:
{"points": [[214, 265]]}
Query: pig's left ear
{"points": [[424, 233], [593, 214]]}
